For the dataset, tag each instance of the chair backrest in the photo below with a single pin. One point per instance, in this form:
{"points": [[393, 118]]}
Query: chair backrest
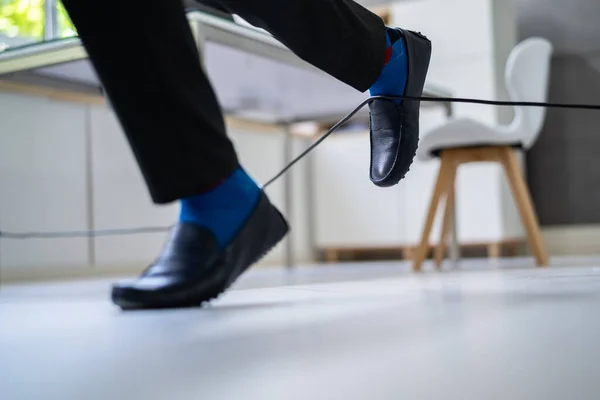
{"points": [[527, 79]]}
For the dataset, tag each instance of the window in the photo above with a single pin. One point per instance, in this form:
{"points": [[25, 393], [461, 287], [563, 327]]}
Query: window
{"points": [[25, 21], [65, 26]]}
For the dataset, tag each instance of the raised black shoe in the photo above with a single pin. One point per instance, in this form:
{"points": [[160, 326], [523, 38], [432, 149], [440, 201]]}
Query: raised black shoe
{"points": [[192, 269], [395, 127]]}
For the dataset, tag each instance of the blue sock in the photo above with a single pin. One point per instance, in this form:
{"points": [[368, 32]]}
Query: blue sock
{"points": [[224, 209], [392, 80]]}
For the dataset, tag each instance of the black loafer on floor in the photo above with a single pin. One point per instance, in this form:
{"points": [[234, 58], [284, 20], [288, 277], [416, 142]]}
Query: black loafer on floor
{"points": [[192, 269], [395, 127]]}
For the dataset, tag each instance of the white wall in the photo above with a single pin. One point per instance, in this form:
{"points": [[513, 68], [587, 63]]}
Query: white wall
{"points": [[43, 170]]}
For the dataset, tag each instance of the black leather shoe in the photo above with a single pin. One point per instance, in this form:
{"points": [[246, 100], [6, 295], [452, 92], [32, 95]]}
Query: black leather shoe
{"points": [[395, 127], [192, 269]]}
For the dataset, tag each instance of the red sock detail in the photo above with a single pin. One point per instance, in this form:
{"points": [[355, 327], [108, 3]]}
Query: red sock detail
{"points": [[213, 186], [388, 55]]}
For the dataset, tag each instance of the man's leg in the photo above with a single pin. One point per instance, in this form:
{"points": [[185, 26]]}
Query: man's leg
{"points": [[352, 44], [339, 37], [147, 60]]}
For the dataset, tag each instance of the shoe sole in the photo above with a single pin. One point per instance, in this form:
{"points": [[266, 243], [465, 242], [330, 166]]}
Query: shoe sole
{"points": [[276, 231]]}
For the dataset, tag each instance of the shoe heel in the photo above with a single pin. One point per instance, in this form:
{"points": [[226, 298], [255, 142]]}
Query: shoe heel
{"points": [[277, 230], [419, 49], [279, 227]]}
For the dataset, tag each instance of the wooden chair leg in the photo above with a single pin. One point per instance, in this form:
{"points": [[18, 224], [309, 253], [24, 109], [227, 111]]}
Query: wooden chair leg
{"points": [[525, 205], [511, 249], [440, 250], [445, 177], [494, 250], [331, 255]]}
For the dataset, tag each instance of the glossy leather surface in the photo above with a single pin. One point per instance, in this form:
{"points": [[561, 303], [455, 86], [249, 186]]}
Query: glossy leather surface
{"points": [[395, 127], [192, 269]]}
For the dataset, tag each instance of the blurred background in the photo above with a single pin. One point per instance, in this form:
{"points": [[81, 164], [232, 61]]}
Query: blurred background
{"points": [[61, 142]]}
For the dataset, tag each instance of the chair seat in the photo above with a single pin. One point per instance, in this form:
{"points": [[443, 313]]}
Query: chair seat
{"points": [[465, 132]]}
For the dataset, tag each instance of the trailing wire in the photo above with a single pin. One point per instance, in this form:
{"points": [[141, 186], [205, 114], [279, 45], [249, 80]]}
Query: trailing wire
{"points": [[425, 99], [338, 125], [82, 233]]}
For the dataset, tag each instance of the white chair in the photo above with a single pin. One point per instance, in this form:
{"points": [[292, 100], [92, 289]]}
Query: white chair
{"points": [[466, 140]]}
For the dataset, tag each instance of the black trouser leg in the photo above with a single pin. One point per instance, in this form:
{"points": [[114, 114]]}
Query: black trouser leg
{"points": [[148, 62], [340, 37], [146, 57]]}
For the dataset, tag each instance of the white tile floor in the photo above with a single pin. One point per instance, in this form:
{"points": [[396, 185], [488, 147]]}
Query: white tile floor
{"points": [[368, 332]]}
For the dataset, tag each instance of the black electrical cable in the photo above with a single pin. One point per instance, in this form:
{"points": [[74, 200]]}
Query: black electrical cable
{"points": [[426, 99], [108, 232], [84, 233], [487, 102]]}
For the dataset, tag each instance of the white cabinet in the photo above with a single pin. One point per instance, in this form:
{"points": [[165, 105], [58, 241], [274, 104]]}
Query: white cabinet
{"points": [[42, 170], [64, 166], [352, 212]]}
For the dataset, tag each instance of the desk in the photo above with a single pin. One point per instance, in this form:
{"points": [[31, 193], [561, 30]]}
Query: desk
{"points": [[303, 93]]}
